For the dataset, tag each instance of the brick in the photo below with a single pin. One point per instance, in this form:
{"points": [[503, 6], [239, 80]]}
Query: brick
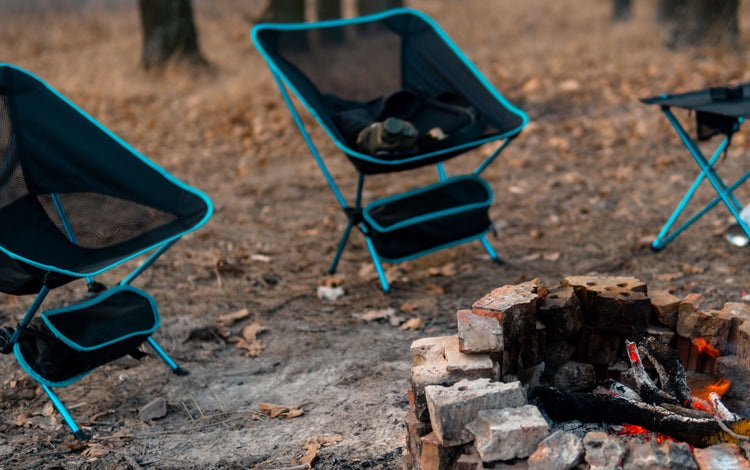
{"points": [[436, 456], [616, 303], [686, 314], [603, 451], [415, 431], [712, 326], [559, 451], [451, 408], [509, 433], [664, 306], [600, 346], [737, 313], [731, 367], [515, 307], [719, 457], [437, 361], [478, 333], [649, 455], [155, 409], [743, 343], [561, 312], [663, 334]]}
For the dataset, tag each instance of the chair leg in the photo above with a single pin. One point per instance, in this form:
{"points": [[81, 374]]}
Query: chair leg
{"points": [[177, 370], [378, 265], [490, 250], [340, 249], [77, 432]]}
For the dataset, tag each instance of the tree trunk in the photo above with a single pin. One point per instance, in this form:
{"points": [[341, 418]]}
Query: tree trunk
{"points": [[365, 7], [168, 33], [703, 22], [668, 10], [287, 11], [621, 10], [330, 10]]}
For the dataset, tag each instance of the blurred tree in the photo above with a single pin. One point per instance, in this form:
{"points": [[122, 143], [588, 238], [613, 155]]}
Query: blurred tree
{"points": [[621, 10], [285, 11], [700, 22], [365, 7], [168, 33]]}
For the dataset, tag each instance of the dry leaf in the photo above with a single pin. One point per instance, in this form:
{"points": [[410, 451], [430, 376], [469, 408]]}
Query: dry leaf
{"points": [[249, 340], [95, 450], [690, 269], [386, 314], [230, 319], [446, 270], [314, 446], [667, 276], [409, 307], [275, 411], [434, 289], [413, 324]]}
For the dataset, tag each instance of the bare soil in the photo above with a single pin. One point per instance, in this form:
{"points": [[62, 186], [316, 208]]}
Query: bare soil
{"points": [[582, 190]]}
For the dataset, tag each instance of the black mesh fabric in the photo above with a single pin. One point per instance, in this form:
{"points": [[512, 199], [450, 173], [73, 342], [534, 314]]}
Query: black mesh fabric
{"points": [[373, 60], [421, 227], [74, 199]]}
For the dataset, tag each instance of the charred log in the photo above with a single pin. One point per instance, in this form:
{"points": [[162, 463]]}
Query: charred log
{"points": [[699, 429], [675, 382]]}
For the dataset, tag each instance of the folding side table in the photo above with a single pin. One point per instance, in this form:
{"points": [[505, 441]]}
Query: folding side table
{"points": [[720, 111]]}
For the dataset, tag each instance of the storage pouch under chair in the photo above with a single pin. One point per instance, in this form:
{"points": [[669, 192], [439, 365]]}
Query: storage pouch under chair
{"points": [[446, 213], [64, 344]]}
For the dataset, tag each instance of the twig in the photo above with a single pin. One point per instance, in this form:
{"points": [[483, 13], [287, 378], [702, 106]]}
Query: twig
{"points": [[197, 406], [727, 430], [290, 299], [187, 411]]}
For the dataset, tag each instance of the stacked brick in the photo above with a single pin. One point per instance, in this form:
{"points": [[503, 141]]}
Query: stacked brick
{"points": [[468, 395]]}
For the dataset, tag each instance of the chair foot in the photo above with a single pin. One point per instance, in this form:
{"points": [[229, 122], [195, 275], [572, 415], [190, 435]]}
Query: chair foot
{"points": [[180, 371], [81, 436], [656, 249], [498, 261]]}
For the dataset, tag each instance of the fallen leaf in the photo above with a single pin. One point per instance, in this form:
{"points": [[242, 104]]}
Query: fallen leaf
{"points": [[249, 340], [434, 289], [386, 314], [95, 450], [667, 276], [409, 307], [314, 446], [275, 411], [446, 270], [413, 324], [554, 256], [690, 269], [230, 319]]}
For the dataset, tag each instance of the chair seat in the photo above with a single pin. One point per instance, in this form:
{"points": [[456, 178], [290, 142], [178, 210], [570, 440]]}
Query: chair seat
{"points": [[71, 341], [427, 219]]}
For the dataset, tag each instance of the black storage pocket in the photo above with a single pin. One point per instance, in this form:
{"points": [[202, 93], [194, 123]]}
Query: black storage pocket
{"points": [[66, 343], [427, 219]]}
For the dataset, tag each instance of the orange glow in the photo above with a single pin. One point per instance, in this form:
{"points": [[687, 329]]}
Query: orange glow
{"points": [[631, 430], [719, 388], [704, 347]]}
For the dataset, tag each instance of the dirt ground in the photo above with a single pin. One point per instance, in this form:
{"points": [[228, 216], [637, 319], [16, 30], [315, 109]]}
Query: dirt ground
{"points": [[583, 190]]}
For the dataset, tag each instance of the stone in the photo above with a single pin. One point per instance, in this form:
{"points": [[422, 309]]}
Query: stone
{"points": [[663, 334], [155, 409], [678, 455], [687, 314], [603, 452], [743, 342], [737, 371], [437, 361], [616, 303], [575, 376], [478, 333], [664, 306], [436, 456], [452, 408], [557, 352], [719, 457], [561, 312], [559, 451], [470, 461], [509, 433]]}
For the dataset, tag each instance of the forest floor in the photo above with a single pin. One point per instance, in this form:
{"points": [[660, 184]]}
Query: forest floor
{"points": [[582, 190]]}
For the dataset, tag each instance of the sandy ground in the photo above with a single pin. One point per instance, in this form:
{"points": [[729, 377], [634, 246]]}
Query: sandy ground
{"points": [[583, 189]]}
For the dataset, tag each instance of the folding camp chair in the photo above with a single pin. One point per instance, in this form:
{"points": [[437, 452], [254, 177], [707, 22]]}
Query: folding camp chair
{"points": [[76, 201], [718, 111], [395, 93]]}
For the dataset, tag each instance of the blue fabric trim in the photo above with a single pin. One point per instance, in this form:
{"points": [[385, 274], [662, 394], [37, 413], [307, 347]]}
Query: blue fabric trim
{"points": [[134, 152], [374, 17], [25, 366], [432, 215], [432, 250], [108, 293]]}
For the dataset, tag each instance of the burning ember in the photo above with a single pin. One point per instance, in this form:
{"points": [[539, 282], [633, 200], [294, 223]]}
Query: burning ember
{"points": [[719, 388], [705, 348]]}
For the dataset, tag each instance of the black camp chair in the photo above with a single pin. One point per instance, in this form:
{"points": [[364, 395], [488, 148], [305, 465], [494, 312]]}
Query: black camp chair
{"points": [[395, 93], [75, 201]]}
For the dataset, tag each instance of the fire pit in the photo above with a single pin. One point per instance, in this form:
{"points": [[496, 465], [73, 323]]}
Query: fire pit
{"points": [[596, 370]]}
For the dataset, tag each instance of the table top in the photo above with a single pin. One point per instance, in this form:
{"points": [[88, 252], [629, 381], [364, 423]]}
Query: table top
{"points": [[731, 101]]}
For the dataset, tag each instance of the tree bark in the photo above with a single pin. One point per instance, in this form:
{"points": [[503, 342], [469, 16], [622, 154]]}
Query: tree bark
{"points": [[287, 11], [330, 10], [702, 22], [168, 33]]}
